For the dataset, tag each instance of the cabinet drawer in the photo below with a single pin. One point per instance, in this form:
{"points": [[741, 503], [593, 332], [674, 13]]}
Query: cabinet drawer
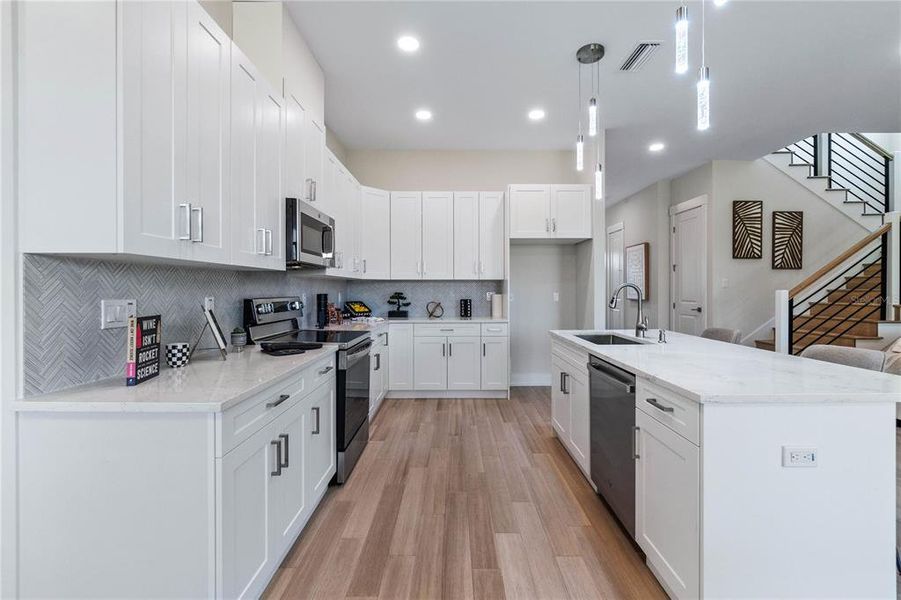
{"points": [[494, 329], [246, 418], [446, 329], [678, 413]]}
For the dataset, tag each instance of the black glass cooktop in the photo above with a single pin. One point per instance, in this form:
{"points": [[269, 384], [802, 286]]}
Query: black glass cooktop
{"points": [[344, 338]]}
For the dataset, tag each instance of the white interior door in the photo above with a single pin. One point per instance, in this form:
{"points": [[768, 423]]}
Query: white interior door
{"points": [[615, 272], [689, 274]]}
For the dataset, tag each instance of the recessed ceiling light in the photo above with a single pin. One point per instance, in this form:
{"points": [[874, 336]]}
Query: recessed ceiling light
{"points": [[424, 114], [408, 43], [536, 114], [656, 147]]}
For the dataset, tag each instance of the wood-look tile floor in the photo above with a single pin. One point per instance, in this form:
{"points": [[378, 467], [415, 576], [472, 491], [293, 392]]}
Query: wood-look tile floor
{"points": [[464, 498]]}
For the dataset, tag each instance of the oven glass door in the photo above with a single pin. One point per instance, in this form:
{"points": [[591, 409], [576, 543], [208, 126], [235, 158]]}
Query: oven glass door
{"points": [[316, 237], [356, 392]]}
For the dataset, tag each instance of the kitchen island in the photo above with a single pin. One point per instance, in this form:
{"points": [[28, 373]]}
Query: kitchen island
{"points": [[756, 474]]}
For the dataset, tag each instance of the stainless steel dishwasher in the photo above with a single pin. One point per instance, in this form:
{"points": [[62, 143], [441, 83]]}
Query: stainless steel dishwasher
{"points": [[612, 416]]}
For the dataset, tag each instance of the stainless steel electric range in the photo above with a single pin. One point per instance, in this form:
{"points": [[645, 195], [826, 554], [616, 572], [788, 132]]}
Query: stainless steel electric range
{"points": [[278, 320]]}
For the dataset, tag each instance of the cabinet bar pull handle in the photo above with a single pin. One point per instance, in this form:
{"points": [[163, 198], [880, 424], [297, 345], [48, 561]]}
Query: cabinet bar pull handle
{"points": [[325, 370], [442, 350], [316, 411], [199, 211], [287, 463], [484, 351], [635, 435], [386, 337], [481, 268], [261, 238], [656, 404], [309, 190], [278, 458], [450, 349], [562, 376], [281, 399], [187, 223], [566, 383], [364, 265]]}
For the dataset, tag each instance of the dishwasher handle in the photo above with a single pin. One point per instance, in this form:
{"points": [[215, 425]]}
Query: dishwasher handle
{"points": [[626, 386]]}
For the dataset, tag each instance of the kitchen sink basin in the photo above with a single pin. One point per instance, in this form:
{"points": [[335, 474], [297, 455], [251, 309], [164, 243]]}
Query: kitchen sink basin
{"points": [[606, 339]]}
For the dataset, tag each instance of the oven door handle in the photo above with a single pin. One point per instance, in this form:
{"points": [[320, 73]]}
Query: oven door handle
{"points": [[359, 353]]}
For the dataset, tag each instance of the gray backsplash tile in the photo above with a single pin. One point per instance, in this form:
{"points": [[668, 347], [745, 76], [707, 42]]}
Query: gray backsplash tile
{"points": [[419, 293], [63, 342]]}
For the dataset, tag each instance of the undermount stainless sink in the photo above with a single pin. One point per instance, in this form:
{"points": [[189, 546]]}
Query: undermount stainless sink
{"points": [[606, 339]]}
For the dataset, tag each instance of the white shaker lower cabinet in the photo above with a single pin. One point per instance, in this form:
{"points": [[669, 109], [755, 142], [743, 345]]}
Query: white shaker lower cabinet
{"points": [[570, 404], [430, 363], [667, 511], [464, 363], [378, 372], [400, 359], [172, 503]]}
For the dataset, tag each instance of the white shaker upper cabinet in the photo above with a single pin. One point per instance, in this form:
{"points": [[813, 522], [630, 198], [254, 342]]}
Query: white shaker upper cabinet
{"points": [[530, 215], [375, 233], [492, 243], [437, 235], [352, 220], [466, 235], [406, 244], [571, 211], [314, 160], [295, 144]]}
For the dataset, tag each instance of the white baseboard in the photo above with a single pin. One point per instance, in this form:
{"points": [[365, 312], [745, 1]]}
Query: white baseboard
{"points": [[448, 394], [530, 379]]}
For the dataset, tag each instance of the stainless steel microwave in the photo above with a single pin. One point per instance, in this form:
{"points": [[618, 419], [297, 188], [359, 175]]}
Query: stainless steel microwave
{"points": [[310, 236]]}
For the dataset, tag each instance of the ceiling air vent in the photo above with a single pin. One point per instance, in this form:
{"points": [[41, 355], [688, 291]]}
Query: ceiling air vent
{"points": [[639, 56]]}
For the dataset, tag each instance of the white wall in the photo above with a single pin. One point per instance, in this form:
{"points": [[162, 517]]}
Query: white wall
{"points": [[645, 218], [536, 273], [463, 170]]}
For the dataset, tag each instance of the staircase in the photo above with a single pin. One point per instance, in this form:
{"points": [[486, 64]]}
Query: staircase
{"points": [[847, 170]]}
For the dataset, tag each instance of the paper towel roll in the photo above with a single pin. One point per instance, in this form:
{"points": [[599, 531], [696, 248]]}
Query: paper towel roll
{"points": [[497, 306]]}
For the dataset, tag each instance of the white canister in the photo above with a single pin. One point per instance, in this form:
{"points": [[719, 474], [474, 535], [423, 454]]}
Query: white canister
{"points": [[497, 306]]}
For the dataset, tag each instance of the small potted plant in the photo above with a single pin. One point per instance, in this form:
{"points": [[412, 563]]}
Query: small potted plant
{"points": [[399, 300], [239, 339]]}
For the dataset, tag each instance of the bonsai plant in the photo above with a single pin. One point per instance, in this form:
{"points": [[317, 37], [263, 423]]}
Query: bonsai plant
{"points": [[399, 300], [239, 339]]}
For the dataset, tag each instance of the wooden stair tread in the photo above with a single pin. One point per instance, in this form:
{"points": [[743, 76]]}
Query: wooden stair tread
{"points": [[854, 336]]}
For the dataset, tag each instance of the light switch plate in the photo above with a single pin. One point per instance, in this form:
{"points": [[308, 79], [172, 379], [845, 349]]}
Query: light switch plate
{"points": [[209, 303], [798, 456], [114, 313]]}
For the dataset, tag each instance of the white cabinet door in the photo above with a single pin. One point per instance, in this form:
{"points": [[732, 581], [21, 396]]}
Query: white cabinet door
{"points": [[571, 211], [319, 457], [400, 356], [466, 235], [492, 243], [560, 403], [246, 475], [530, 211], [288, 499], [667, 499], [208, 129], [270, 200], [576, 387], [375, 233], [430, 363], [154, 94], [295, 146], [314, 160], [353, 221], [331, 195], [495, 363], [464, 363], [406, 243], [437, 235], [248, 232]]}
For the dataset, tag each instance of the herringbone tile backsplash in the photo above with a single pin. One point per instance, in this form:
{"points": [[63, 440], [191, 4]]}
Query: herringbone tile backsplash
{"points": [[63, 342], [64, 345]]}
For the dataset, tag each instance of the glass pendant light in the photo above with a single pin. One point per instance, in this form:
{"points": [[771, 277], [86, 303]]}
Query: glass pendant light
{"points": [[592, 117], [703, 99], [682, 39], [599, 181], [719, 2], [580, 153]]}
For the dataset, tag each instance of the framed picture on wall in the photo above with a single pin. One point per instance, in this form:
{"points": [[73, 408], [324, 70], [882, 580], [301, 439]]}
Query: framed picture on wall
{"points": [[788, 239], [747, 229], [637, 259]]}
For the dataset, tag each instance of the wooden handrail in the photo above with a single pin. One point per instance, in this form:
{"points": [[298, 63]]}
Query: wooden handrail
{"points": [[872, 145], [824, 270]]}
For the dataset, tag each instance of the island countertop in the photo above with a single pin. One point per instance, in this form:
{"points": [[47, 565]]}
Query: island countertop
{"points": [[709, 371]]}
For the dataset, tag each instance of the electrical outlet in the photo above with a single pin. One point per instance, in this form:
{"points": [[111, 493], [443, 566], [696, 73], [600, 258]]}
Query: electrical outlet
{"points": [[556, 296], [795, 456], [489, 296], [114, 313], [209, 303], [725, 283]]}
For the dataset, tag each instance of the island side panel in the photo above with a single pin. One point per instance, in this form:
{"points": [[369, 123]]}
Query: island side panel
{"points": [[116, 504], [774, 531]]}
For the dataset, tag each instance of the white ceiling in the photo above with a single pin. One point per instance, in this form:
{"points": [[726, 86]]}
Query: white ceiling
{"points": [[779, 71]]}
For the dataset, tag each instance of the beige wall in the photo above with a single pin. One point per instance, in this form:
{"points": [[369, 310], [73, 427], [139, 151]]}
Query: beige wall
{"points": [[333, 143], [463, 170], [221, 11]]}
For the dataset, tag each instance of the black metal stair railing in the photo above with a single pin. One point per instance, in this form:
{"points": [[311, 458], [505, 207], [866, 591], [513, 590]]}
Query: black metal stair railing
{"points": [[856, 164], [804, 329], [806, 151]]}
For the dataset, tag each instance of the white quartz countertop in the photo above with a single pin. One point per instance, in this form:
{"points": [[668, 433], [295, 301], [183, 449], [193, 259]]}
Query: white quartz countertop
{"points": [[377, 325], [709, 371], [206, 384]]}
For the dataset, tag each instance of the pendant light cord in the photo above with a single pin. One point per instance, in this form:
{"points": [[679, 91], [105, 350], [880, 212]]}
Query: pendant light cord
{"points": [[579, 103], [703, 34]]}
